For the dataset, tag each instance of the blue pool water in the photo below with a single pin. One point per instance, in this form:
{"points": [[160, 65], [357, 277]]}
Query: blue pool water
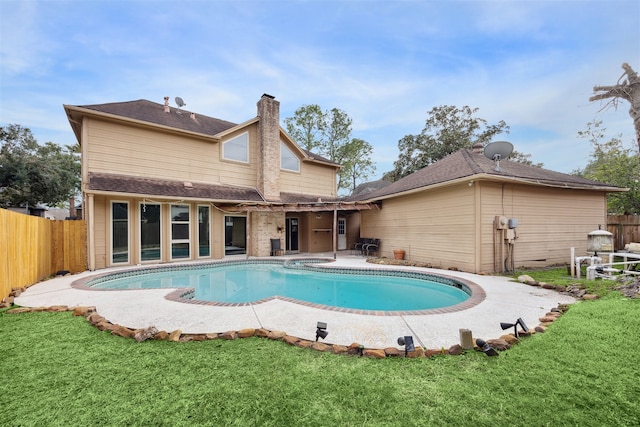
{"points": [[247, 282]]}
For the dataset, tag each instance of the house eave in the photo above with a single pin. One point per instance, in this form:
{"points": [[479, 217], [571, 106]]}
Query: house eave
{"points": [[229, 131], [297, 207], [153, 198], [320, 162], [497, 178]]}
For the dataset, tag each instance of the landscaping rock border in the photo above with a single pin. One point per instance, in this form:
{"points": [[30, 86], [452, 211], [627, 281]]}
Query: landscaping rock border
{"points": [[504, 342], [355, 349]]}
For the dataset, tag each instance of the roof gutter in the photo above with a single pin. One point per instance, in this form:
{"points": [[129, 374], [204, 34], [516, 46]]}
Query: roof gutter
{"points": [[490, 177], [163, 198]]}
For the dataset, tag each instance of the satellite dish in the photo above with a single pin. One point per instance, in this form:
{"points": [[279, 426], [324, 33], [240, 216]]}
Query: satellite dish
{"points": [[180, 102], [498, 150]]}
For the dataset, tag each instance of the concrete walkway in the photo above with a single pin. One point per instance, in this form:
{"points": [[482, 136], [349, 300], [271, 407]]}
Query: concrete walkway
{"points": [[505, 301]]}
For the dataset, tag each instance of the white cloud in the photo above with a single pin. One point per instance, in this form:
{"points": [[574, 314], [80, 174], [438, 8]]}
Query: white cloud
{"points": [[532, 64]]}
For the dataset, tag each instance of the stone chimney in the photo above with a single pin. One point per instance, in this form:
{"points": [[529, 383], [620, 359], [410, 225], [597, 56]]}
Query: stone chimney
{"points": [[269, 147], [166, 105]]}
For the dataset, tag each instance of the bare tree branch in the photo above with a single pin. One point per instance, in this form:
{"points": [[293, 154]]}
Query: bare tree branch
{"points": [[627, 88]]}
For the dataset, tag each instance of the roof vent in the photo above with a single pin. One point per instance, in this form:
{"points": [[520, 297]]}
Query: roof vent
{"points": [[188, 184], [477, 147], [166, 105]]}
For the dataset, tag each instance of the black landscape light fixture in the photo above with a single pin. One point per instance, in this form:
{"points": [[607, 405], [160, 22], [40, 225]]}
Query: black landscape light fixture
{"points": [[321, 330], [520, 322], [407, 342], [486, 348]]}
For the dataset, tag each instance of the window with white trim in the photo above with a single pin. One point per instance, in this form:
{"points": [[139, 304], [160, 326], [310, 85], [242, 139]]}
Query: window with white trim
{"points": [[119, 232], [150, 232], [288, 160], [204, 231], [237, 148], [180, 244]]}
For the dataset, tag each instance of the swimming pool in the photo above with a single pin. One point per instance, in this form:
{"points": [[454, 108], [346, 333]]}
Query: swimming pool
{"points": [[300, 281]]}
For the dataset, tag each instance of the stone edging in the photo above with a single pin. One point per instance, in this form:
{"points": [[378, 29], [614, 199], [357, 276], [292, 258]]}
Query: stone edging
{"points": [[503, 343]]}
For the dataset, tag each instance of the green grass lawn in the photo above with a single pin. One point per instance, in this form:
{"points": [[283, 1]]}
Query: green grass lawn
{"points": [[59, 370]]}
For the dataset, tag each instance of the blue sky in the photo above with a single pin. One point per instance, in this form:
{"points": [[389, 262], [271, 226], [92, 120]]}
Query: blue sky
{"points": [[532, 63]]}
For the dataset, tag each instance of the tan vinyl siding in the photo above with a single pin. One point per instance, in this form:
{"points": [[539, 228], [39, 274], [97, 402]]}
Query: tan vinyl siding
{"points": [[550, 222], [313, 179], [129, 150], [453, 227], [435, 227]]}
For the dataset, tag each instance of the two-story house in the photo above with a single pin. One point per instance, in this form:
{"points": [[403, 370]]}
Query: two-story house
{"points": [[163, 184]]}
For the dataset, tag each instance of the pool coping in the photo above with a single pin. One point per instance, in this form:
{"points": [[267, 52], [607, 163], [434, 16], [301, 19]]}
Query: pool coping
{"points": [[506, 300], [184, 295]]}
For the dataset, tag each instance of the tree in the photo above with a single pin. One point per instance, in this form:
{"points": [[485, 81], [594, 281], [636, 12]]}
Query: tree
{"points": [[627, 88], [337, 133], [328, 133], [31, 173], [356, 163], [306, 126], [613, 164], [447, 129]]}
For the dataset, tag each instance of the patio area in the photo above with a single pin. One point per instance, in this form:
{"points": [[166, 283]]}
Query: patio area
{"points": [[505, 301]]}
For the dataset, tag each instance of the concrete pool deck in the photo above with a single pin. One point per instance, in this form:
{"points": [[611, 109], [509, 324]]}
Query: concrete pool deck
{"points": [[505, 301]]}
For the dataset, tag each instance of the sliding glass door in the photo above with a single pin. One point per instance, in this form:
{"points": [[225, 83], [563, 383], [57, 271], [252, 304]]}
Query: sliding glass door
{"points": [[204, 232], [150, 232], [235, 235], [119, 232], [180, 224]]}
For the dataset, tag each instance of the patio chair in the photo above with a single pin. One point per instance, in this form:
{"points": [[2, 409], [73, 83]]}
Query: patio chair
{"points": [[357, 246], [276, 249], [361, 244], [371, 248]]}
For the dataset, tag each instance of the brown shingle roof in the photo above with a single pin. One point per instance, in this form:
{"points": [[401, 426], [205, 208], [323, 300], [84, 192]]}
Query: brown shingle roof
{"points": [[152, 112], [465, 163], [172, 188], [159, 187]]}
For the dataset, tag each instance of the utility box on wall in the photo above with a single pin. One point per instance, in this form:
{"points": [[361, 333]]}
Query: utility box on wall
{"points": [[501, 222]]}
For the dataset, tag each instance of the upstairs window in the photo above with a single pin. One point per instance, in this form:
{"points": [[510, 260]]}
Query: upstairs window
{"points": [[237, 148], [288, 160]]}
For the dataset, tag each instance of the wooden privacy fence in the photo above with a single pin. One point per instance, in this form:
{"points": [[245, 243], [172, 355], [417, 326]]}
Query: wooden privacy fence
{"points": [[625, 229], [33, 248]]}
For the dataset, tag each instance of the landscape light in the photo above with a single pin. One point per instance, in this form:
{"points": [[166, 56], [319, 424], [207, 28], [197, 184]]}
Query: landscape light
{"points": [[407, 342], [321, 330], [520, 322], [486, 348]]}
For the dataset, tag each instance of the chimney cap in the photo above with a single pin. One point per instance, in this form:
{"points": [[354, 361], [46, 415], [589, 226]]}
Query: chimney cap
{"points": [[266, 95]]}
